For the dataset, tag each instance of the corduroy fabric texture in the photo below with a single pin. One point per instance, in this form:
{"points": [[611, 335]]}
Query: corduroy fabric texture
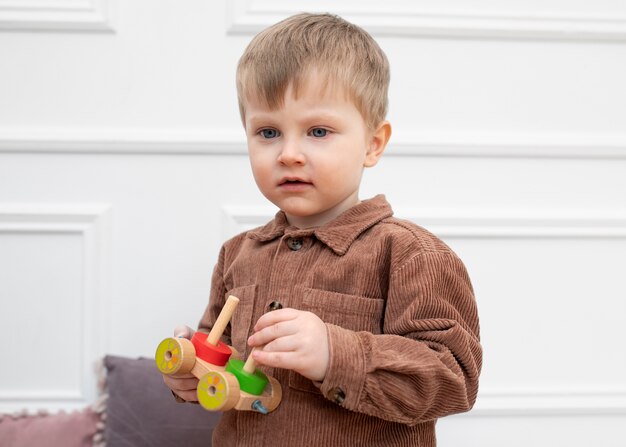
{"points": [[402, 325]]}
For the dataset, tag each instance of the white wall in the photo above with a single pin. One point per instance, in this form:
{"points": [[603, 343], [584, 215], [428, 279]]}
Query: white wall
{"points": [[123, 168]]}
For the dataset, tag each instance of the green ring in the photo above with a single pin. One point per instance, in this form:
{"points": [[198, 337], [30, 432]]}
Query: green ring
{"points": [[250, 383]]}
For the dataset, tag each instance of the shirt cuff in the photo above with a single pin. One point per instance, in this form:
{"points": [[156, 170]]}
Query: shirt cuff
{"points": [[177, 398], [180, 400], [345, 377]]}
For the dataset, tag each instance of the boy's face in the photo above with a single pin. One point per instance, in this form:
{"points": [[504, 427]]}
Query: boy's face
{"points": [[308, 156]]}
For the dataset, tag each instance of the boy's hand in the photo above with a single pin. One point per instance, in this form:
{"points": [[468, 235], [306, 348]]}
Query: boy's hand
{"points": [[293, 339], [184, 385]]}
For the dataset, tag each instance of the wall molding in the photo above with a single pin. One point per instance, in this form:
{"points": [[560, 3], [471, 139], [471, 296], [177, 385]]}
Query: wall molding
{"points": [[519, 223], [496, 223], [57, 15], [400, 18], [90, 222], [489, 144], [115, 141], [550, 402], [490, 223]]}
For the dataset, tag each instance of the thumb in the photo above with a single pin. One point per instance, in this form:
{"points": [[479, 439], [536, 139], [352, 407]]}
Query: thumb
{"points": [[183, 332]]}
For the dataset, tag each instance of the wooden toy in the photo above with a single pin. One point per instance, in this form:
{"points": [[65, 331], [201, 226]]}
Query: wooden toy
{"points": [[225, 382]]}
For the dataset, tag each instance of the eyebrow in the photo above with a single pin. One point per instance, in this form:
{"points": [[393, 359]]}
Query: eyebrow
{"points": [[314, 116]]}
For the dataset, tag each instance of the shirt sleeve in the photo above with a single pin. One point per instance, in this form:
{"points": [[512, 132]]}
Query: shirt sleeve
{"points": [[427, 361]]}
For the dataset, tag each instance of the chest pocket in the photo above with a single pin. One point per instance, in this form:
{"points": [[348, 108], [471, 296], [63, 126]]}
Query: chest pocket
{"points": [[351, 312], [348, 311]]}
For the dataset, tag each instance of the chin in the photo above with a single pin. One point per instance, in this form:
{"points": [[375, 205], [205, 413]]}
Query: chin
{"points": [[295, 206], [298, 212]]}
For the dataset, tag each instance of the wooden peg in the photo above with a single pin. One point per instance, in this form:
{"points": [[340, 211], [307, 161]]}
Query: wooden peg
{"points": [[222, 320], [250, 365]]}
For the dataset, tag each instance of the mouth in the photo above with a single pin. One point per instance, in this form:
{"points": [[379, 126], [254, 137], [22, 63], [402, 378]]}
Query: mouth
{"points": [[293, 183]]}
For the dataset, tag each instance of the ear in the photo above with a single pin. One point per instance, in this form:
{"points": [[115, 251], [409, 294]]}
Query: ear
{"points": [[377, 144]]}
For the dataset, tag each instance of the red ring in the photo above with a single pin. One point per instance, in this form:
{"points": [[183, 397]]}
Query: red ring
{"points": [[216, 355]]}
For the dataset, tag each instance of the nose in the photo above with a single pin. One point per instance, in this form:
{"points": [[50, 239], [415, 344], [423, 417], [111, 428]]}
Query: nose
{"points": [[291, 153]]}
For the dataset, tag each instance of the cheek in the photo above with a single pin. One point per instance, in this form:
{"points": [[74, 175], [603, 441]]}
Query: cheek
{"points": [[350, 164], [261, 169]]}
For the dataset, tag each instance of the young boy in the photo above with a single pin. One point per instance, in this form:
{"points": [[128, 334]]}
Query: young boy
{"points": [[374, 332]]}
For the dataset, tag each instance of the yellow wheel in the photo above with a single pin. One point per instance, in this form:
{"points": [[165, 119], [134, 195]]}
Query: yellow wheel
{"points": [[175, 356], [218, 391]]}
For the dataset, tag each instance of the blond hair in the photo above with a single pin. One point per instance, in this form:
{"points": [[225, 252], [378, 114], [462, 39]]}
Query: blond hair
{"points": [[344, 54]]}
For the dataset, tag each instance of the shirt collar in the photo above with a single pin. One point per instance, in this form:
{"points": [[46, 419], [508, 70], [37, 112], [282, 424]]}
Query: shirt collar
{"points": [[339, 233]]}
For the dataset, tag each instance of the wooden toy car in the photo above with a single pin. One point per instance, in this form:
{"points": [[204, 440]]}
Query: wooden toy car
{"points": [[225, 382]]}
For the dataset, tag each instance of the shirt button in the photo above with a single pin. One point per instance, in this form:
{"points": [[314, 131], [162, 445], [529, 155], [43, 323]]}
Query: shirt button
{"points": [[274, 305], [294, 243], [337, 395]]}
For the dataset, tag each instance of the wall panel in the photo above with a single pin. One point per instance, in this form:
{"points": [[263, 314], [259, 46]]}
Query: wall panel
{"points": [[54, 292], [123, 168]]}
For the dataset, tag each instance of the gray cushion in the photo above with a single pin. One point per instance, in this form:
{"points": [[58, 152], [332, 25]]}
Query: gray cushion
{"points": [[141, 410]]}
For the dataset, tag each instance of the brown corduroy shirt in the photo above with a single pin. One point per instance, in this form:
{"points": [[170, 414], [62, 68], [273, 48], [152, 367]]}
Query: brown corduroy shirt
{"points": [[402, 328]]}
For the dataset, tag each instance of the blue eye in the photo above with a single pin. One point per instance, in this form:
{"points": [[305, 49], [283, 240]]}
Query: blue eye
{"points": [[269, 133], [318, 132]]}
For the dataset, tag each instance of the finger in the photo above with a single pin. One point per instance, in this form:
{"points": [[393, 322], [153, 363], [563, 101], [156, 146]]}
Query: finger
{"points": [[267, 358], [183, 332], [273, 332], [176, 384], [181, 376], [276, 316], [288, 343], [284, 360], [314, 368]]}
